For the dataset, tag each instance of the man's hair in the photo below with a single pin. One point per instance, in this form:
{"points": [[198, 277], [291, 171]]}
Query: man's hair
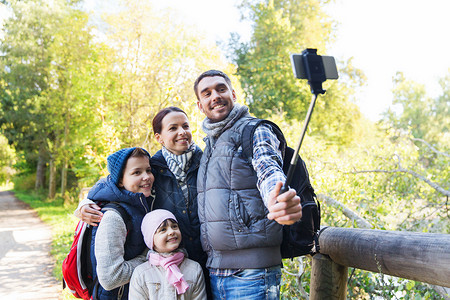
{"points": [[157, 120], [210, 73]]}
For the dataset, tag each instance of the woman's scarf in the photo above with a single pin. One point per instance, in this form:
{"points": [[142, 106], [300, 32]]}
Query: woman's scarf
{"points": [[179, 165], [213, 130], [170, 264]]}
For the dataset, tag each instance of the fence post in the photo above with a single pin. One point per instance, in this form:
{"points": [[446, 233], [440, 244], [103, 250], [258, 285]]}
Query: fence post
{"points": [[328, 279]]}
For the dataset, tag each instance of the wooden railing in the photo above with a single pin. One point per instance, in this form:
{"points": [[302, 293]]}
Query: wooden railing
{"points": [[422, 257]]}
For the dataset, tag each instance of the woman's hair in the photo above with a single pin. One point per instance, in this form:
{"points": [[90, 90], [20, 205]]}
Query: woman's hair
{"points": [[157, 120]]}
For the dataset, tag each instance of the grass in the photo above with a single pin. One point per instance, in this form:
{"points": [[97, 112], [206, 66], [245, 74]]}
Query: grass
{"points": [[59, 216]]}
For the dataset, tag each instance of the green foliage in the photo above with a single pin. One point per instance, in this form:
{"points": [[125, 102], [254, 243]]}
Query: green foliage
{"points": [[367, 285], [372, 178], [280, 28], [72, 97], [158, 61], [7, 161], [416, 112], [24, 69], [296, 278], [24, 181]]}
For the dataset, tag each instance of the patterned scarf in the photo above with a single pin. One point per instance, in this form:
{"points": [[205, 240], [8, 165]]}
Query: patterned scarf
{"points": [[213, 130], [170, 264], [179, 165]]}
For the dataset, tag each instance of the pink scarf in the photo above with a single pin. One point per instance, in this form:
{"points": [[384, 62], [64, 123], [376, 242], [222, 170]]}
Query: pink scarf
{"points": [[170, 263]]}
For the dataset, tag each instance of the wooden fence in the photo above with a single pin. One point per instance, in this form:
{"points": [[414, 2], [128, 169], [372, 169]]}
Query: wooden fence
{"points": [[422, 257]]}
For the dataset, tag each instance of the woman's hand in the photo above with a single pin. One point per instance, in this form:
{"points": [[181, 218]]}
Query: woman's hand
{"points": [[91, 214]]}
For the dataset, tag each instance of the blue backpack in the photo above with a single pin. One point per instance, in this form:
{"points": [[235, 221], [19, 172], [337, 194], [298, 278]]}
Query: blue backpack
{"points": [[300, 238]]}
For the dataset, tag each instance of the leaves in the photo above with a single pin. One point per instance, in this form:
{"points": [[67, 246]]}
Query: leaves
{"points": [[73, 93], [279, 29]]}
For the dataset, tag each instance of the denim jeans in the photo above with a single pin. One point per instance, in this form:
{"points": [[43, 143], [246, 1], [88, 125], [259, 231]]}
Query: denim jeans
{"points": [[257, 284]]}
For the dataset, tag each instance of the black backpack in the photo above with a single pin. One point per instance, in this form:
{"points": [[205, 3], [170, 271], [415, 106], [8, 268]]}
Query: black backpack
{"points": [[299, 238]]}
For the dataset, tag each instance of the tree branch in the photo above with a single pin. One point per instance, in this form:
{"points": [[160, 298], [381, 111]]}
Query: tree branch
{"points": [[444, 292], [299, 275], [431, 147], [402, 170], [360, 221]]}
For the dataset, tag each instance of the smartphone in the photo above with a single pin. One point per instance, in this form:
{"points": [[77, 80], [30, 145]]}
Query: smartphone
{"points": [[309, 65]]}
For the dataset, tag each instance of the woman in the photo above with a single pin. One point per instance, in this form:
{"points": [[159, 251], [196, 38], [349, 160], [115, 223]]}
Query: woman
{"points": [[175, 168]]}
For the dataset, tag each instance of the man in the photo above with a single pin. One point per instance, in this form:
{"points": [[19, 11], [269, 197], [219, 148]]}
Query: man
{"points": [[240, 210]]}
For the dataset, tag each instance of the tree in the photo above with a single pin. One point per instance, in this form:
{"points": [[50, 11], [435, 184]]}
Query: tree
{"points": [[7, 160], [80, 78], [52, 76], [25, 69], [157, 60], [282, 27], [425, 118]]}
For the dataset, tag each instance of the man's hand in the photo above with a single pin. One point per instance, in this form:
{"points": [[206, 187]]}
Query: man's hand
{"points": [[285, 208], [91, 214]]}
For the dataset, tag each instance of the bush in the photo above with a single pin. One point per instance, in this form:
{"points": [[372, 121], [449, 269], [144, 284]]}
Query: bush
{"points": [[24, 181]]}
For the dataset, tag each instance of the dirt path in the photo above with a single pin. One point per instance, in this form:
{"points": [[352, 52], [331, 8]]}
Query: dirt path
{"points": [[25, 261]]}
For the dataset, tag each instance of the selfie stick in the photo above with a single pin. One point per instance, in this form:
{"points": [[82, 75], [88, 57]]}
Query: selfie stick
{"points": [[294, 159], [313, 70]]}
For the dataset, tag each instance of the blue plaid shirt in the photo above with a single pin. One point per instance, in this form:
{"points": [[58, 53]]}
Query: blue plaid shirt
{"points": [[267, 160]]}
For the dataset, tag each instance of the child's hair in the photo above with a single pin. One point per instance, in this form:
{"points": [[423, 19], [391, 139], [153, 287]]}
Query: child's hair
{"points": [[139, 152], [157, 120], [152, 221], [118, 160], [164, 223]]}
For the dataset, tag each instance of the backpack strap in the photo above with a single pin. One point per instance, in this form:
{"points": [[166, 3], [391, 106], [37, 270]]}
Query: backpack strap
{"points": [[249, 131], [106, 206], [115, 206]]}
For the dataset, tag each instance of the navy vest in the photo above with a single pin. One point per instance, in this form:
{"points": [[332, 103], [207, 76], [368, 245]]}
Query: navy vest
{"points": [[168, 195]]}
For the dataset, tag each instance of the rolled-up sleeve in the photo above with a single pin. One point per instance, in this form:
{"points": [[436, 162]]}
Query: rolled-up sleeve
{"points": [[267, 160]]}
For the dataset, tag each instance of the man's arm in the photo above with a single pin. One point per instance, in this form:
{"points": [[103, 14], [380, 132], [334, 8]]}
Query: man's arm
{"points": [[267, 163]]}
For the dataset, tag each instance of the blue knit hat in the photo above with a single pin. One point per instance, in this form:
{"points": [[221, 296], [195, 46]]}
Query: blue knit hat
{"points": [[117, 162]]}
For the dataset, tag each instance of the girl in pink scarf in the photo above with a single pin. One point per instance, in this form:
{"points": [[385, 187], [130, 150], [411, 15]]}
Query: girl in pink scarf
{"points": [[168, 274]]}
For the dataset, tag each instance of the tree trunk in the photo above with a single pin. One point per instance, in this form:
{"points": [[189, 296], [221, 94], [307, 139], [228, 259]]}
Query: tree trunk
{"points": [[40, 170], [52, 179], [64, 177], [65, 159]]}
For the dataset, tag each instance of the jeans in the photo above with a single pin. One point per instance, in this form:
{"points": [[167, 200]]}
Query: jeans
{"points": [[248, 284]]}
